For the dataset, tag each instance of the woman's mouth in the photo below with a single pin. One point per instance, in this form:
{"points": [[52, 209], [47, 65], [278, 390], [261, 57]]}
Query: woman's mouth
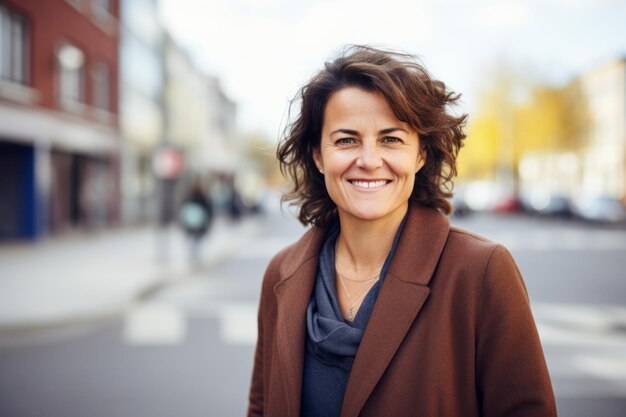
{"points": [[369, 183]]}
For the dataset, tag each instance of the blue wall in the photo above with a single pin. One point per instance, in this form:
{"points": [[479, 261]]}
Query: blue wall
{"points": [[20, 211]]}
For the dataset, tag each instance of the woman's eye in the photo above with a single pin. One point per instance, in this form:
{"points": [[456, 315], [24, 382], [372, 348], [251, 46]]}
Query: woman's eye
{"points": [[345, 141], [391, 139]]}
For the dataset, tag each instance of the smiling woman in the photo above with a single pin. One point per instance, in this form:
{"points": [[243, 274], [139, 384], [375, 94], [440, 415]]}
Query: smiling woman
{"points": [[410, 94], [368, 157], [382, 308]]}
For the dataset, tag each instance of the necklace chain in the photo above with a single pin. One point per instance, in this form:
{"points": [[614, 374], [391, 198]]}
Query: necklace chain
{"points": [[358, 280], [343, 284], [362, 280], [351, 306]]}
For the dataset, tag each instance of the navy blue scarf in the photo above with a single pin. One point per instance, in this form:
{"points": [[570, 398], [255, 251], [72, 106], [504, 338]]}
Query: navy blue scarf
{"points": [[331, 339]]}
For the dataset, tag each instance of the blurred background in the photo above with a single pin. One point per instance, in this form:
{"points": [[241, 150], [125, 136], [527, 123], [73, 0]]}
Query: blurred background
{"points": [[139, 191]]}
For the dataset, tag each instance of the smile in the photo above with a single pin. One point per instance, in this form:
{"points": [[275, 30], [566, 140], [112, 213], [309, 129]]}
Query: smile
{"points": [[369, 184]]}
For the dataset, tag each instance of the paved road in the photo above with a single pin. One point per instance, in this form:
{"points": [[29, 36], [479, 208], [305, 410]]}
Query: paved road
{"points": [[187, 350]]}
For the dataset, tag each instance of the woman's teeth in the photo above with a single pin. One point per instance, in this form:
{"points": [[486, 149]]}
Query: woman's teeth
{"points": [[369, 184]]}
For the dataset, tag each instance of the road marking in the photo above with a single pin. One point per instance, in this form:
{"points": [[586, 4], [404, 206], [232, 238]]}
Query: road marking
{"points": [[238, 323], [154, 324], [548, 240], [605, 367], [585, 347]]}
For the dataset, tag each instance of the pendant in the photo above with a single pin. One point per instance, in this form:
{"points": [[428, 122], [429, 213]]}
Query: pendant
{"points": [[350, 316]]}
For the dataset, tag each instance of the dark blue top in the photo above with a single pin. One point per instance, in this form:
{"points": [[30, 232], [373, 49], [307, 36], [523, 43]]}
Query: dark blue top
{"points": [[332, 342]]}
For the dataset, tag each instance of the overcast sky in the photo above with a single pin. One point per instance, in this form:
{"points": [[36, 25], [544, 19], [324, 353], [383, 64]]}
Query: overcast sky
{"points": [[263, 50]]}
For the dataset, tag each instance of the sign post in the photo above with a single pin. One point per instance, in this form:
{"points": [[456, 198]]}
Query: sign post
{"points": [[168, 164]]}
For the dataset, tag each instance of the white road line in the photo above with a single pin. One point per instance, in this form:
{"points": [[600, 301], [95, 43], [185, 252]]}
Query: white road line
{"points": [[547, 240], [585, 347], [154, 324], [238, 323]]}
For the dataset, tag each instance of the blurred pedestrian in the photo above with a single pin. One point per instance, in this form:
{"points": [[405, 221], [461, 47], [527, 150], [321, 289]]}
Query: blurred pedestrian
{"points": [[235, 203], [382, 308], [196, 217]]}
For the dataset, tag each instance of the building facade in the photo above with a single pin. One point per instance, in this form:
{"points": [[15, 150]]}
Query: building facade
{"points": [[59, 135], [166, 102], [200, 121], [604, 156], [142, 112]]}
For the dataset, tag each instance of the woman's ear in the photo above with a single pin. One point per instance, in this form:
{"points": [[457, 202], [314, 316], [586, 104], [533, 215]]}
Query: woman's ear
{"points": [[421, 160], [317, 158]]}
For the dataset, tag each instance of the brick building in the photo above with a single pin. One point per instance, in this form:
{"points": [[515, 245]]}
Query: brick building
{"points": [[59, 130]]}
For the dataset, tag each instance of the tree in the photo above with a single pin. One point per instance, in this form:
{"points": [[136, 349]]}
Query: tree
{"points": [[554, 120], [517, 115], [478, 158], [490, 146]]}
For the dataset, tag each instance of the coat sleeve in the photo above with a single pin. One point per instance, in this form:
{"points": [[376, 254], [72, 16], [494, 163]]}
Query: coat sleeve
{"points": [[255, 398], [512, 376]]}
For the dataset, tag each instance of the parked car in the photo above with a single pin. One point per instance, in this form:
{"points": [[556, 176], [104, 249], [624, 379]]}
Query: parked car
{"points": [[602, 209], [549, 204], [558, 205], [459, 205], [508, 204]]}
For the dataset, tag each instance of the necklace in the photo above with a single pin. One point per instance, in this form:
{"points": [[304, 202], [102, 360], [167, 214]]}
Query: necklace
{"points": [[361, 280], [343, 284], [355, 303], [352, 279]]}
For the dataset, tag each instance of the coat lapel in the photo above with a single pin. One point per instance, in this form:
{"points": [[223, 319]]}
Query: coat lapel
{"points": [[400, 300], [293, 293]]}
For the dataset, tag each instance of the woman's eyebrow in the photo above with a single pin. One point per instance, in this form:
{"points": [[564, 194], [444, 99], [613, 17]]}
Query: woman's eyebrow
{"points": [[356, 133], [345, 131], [391, 130]]}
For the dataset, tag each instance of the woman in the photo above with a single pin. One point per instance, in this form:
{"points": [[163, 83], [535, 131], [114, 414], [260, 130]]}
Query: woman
{"points": [[382, 308]]}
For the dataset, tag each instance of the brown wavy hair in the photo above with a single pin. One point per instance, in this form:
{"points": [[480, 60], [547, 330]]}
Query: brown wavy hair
{"points": [[415, 98]]}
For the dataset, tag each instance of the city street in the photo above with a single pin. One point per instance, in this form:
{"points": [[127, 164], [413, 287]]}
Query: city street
{"points": [[144, 146], [186, 350]]}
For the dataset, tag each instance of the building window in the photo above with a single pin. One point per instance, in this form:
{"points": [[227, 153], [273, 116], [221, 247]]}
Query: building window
{"points": [[13, 47], [100, 76], [77, 4], [71, 73], [102, 14], [101, 7]]}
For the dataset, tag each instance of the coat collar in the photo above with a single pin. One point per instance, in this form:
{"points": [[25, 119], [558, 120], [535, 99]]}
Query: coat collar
{"points": [[400, 300], [293, 292], [401, 297]]}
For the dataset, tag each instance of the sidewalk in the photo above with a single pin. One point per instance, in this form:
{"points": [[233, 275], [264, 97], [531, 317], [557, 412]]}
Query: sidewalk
{"points": [[89, 277]]}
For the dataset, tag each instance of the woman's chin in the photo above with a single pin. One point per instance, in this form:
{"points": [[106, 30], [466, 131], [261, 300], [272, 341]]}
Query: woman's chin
{"points": [[371, 213]]}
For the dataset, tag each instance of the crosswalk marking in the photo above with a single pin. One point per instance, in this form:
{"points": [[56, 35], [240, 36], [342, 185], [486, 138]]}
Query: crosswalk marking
{"points": [[238, 323], [550, 240], [154, 324], [606, 367], [585, 347], [584, 344]]}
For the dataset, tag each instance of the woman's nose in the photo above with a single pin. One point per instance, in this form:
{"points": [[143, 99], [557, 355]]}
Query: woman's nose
{"points": [[369, 157]]}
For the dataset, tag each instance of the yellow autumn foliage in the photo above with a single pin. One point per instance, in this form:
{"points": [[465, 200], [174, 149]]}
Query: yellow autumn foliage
{"points": [[548, 119]]}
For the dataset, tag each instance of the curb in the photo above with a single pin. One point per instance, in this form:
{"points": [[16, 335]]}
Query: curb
{"points": [[243, 232]]}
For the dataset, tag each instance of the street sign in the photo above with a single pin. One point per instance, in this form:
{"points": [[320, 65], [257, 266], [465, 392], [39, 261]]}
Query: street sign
{"points": [[167, 163]]}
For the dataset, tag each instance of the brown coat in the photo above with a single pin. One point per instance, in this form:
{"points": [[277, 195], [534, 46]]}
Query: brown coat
{"points": [[451, 333]]}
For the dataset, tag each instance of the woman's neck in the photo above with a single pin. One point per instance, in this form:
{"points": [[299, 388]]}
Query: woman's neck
{"points": [[363, 245]]}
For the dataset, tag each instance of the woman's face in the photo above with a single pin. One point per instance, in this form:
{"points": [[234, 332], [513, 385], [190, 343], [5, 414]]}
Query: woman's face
{"points": [[368, 157]]}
